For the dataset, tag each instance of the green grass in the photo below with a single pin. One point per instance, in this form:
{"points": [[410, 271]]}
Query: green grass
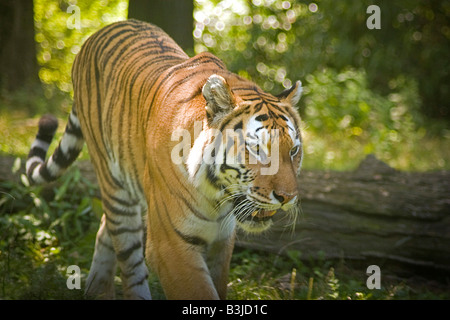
{"points": [[44, 230], [263, 276]]}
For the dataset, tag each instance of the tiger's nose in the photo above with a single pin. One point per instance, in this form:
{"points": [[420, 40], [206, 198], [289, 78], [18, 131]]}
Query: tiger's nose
{"points": [[283, 197]]}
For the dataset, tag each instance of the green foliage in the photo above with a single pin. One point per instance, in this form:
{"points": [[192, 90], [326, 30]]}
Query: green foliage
{"points": [[345, 121], [58, 42], [365, 90], [43, 232], [276, 42], [253, 39]]}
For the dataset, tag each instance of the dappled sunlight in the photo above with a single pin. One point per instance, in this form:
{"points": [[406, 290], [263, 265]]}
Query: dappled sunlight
{"points": [[57, 44]]}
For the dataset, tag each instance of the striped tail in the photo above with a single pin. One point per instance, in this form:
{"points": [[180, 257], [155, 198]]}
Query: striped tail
{"points": [[70, 146]]}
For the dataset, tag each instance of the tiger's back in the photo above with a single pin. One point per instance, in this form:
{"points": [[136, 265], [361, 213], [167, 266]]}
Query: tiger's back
{"points": [[134, 90], [113, 76]]}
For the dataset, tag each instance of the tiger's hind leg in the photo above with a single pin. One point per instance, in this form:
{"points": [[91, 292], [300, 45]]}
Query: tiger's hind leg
{"points": [[100, 282], [124, 226]]}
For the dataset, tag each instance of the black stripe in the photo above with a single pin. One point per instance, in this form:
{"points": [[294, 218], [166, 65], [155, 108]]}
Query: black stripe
{"points": [[193, 240], [122, 230], [248, 87], [31, 169], [123, 202], [111, 220], [262, 117], [231, 116], [141, 260], [119, 47], [224, 167], [258, 107], [238, 126], [108, 54], [163, 62], [65, 159], [73, 129], [286, 93], [160, 212], [47, 126], [46, 137], [192, 95], [103, 243], [94, 51], [111, 208], [45, 174], [193, 74], [99, 103], [211, 175], [272, 114], [104, 174], [125, 254], [138, 282], [247, 98], [37, 151], [125, 73], [276, 107], [108, 37], [267, 98]]}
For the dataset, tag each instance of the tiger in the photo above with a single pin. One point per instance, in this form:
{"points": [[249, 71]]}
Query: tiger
{"points": [[134, 88]]}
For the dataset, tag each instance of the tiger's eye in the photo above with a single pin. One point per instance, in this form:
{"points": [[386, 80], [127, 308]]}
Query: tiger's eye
{"points": [[294, 151]]}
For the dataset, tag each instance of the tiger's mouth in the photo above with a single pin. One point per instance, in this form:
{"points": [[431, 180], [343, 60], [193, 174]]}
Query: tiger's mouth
{"points": [[251, 217], [262, 214]]}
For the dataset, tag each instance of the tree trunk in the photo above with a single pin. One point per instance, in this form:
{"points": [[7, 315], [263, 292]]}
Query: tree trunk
{"points": [[174, 16], [18, 63]]}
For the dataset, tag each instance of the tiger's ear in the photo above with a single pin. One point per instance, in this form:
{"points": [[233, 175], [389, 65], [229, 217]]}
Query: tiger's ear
{"points": [[293, 94], [218, 96]]}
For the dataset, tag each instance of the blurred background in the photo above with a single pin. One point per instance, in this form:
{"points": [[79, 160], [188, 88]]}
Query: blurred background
{"points": [[382, 91]]}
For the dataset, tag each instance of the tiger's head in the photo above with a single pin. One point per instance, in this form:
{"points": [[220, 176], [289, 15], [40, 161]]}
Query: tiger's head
{"points": [[251, 151]]}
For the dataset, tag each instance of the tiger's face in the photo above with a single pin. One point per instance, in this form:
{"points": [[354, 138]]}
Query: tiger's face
{"points": [[273, 150], [254, 152]]}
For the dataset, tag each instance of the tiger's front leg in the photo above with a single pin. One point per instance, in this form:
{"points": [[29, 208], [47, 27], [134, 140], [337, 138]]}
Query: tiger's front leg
{"points": [[180, 266], [218, 260]]}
